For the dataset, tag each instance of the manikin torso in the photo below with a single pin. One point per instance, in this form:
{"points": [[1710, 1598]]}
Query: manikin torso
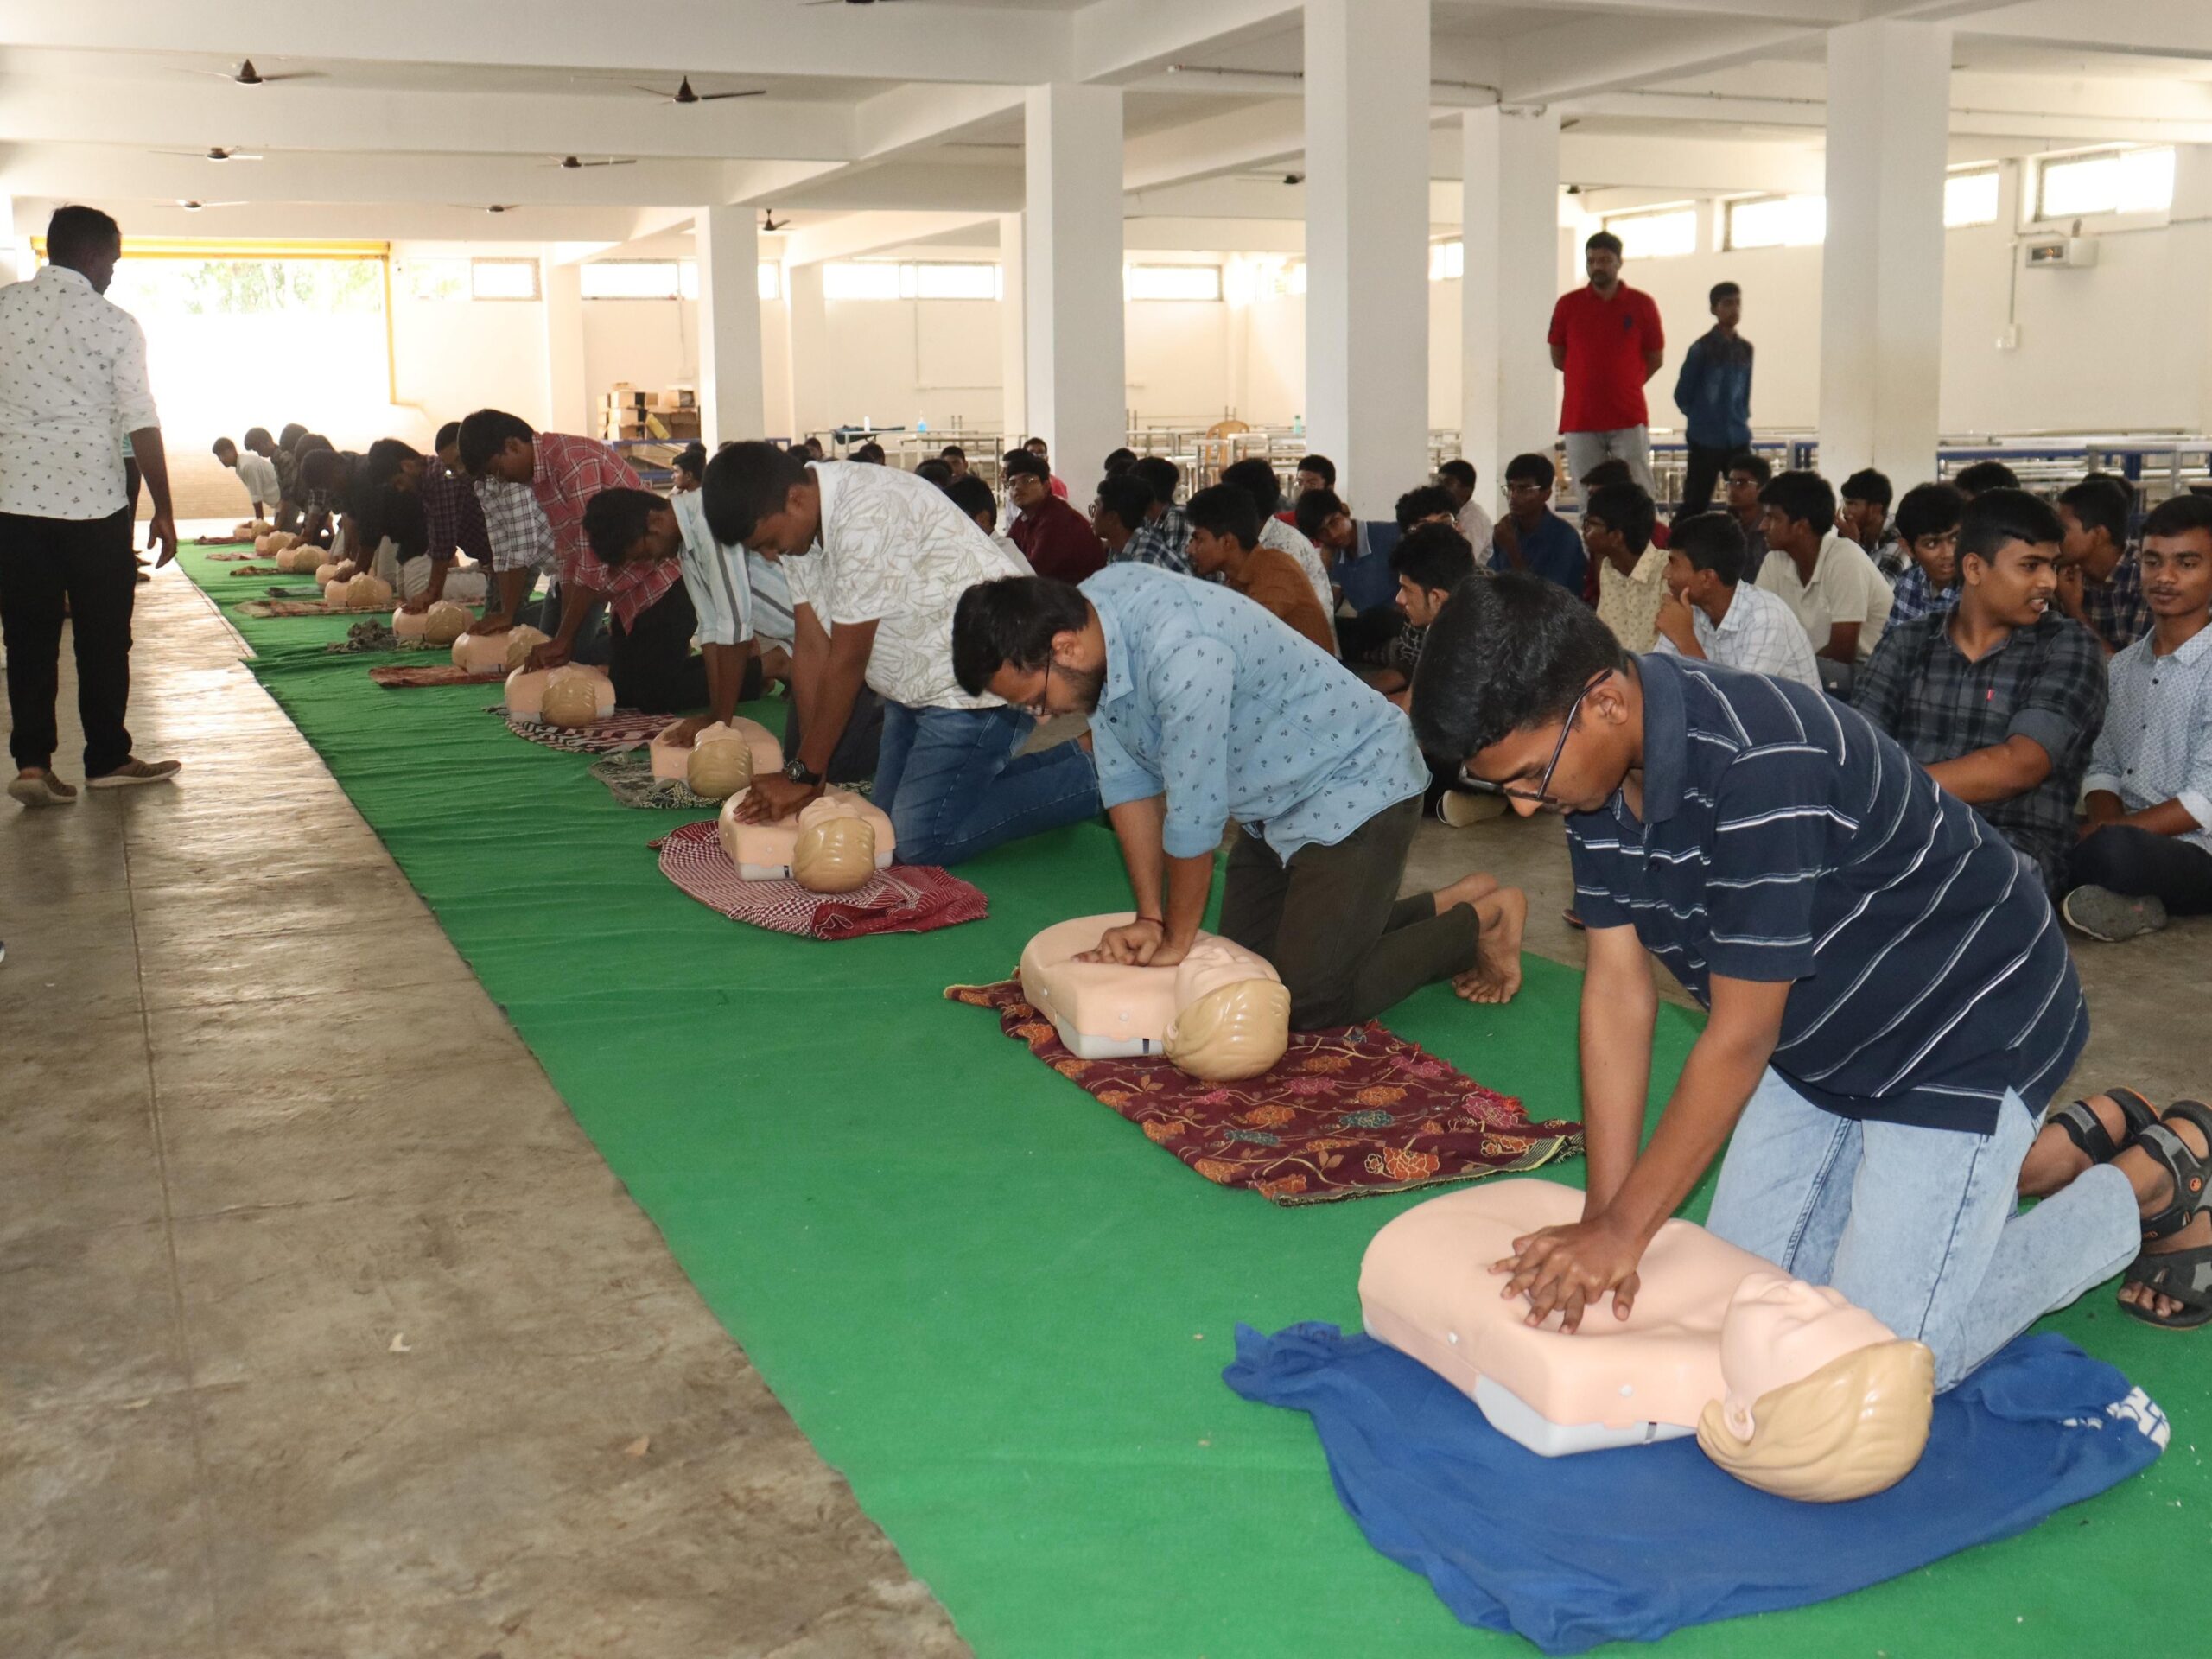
{"points": [[1107, 1010], [764, 852], [673, 760]]}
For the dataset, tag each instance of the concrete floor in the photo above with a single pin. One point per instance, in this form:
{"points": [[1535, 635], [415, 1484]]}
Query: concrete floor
{"points": [[327, 1331]]}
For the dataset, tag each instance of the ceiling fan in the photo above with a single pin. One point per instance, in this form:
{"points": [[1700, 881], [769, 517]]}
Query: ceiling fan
{"points": [[570, 164], [769, 222], [849, 2], [684, 94], [214, 153], [196, 207], [491, 207], [246, 75]]}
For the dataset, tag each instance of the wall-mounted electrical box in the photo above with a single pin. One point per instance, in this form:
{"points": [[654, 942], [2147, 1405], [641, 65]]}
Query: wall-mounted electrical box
{"points": [[2058, 253]]}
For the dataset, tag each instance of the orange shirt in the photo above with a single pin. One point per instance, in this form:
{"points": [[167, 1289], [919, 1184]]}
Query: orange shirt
{"points": [[1273, 580]]}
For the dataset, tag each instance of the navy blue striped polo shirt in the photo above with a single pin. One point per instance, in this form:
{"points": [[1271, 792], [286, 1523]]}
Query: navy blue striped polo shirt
{"points": [[1784, 838]]}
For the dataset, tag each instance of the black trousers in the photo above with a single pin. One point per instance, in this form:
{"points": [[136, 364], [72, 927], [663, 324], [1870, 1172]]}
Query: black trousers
{"points": [[853, 759], [1699, 478], [81, 568], [1332, 923], [2145, 864], [651, 661]]}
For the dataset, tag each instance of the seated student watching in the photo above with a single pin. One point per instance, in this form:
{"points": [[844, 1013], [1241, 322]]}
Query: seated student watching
{"points": [[973, 497], [955, 457], [649, 657], [689, 467], [1257, 479], [1164, 541], [877, 561], [1457, 478], [2001, 696], [1036, 446], [1984, 476], [1119, 460], [2146, 852], [1225, 544], [1204, 711], [869, 454], [1829, 584], [1616, 525], [1745, 473], [1430, 561], [1712, 613], [2101, 584], [1928, 528], [1323, 519], [930, 470], [1531, 537], [1892, 1006], [1056, 539], [1314, 472], [1124, 504], [1865, 518], [256, 473]]}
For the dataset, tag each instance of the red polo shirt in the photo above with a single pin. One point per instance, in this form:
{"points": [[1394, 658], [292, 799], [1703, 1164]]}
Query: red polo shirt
{"points": [[1605, 341]]}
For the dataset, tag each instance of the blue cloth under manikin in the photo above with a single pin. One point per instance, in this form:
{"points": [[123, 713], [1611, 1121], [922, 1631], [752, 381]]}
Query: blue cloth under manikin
{"points": [[1634, 1543]]}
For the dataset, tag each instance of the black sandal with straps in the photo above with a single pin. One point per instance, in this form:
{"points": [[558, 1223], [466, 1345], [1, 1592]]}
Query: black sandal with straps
{"points": [[2184, 1276], [2086, 1130]]}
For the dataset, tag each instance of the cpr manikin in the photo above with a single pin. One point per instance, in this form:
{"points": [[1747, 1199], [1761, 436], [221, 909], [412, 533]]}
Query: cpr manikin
{"points": [[480, 653], [1222, 1013], [572, 695], [1787, 1386], [698, 763], [831, 845]]}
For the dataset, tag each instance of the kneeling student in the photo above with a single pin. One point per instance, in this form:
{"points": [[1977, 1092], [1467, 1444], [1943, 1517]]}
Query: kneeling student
{"points": [[1203, 711], [1225, 543], [649, 656]]}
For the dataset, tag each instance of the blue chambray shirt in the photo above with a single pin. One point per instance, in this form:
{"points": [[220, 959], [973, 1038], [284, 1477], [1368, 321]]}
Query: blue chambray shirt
{"points": [[1231, 713]]}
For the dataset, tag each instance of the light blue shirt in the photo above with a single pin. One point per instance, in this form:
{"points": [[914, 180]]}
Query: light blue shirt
{"points": [[1231, 713], [714, 576], [2156, 744]]}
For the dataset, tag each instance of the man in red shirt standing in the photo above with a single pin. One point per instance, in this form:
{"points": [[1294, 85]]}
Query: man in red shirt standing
{"points": [[1607, 339]]}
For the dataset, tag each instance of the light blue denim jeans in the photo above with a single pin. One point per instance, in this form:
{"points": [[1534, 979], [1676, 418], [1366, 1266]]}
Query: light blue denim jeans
{"points": [[1921, 1228], [954, 787]]}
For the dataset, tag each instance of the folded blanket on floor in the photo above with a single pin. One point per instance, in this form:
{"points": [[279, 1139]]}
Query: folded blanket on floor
{"points": [[264, 609], [626, 728], [395, 675], [904, 899], [1631, 1544], [1343, 1114]]}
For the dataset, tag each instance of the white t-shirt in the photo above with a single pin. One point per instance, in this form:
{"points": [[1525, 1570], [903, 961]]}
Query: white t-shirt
{"points": [[1474, 524], [1846, 587], [258, 474], [894, 551]]}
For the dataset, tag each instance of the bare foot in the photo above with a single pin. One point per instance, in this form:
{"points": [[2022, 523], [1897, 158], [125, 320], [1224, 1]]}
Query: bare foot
{"points": [[2054, 1160], [1496, 975], [2197, 1234], [1469, 890]]}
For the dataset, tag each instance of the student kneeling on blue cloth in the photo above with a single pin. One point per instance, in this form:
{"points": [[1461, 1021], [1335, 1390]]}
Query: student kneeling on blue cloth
{"points": [[1891, 1002]]}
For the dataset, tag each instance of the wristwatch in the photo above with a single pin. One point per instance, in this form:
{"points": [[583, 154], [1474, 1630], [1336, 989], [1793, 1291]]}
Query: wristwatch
{"points": [[795, 771]]}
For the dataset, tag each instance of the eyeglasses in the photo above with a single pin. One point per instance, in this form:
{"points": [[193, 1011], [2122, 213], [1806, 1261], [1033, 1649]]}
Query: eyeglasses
{"points": [[1541, 794], [1040, 707]]}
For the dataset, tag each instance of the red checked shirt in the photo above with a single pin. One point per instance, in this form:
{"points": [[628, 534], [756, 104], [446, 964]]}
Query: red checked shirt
{"points": [[1605, 341], [570, 470]]}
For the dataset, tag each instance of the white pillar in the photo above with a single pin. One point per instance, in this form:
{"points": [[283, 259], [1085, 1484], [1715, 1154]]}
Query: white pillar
{"points": [[811, 387], [7, 272], [568, 406], [1508, 390], [731, 404], [1013, 353], [2188, 253], [1072, 279], [1367, 242], [1882, 267]]}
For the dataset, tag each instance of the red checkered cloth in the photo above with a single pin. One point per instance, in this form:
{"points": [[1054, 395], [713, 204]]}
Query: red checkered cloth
{"points": [[398, 675], [904, 899], [1345, 1114], [626, 728]]}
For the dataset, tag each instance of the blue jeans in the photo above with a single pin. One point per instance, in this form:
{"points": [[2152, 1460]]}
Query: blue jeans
{"points": [[950, 781], [1921, 1228]]}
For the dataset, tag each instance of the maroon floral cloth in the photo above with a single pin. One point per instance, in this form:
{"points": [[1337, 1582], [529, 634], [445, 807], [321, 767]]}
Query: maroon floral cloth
{"points": [[626, 728], [406, 674], [904, 899], [1345, 1114]]}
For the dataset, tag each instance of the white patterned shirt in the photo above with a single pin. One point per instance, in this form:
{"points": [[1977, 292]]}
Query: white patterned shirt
{"points": [[72, 388], [893, 550], [1628, 605], [2156, 744], [713, 575], [1759, 636]]}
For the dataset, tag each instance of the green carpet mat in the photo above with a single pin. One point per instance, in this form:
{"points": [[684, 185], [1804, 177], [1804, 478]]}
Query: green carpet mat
{"points": [[994, 1306]]}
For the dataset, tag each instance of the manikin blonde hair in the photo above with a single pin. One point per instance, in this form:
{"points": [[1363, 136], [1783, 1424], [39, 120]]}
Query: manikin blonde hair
{"points": [[834, 853], [1854, 1427], [1234, 1032]]}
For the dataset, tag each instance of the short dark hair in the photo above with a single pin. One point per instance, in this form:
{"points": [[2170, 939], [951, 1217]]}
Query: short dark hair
{"points": [[2178, 515], [1436, 557], [1320, 465], [221, 444], [952, 452], [1040, 443], [1801, 497], [1314, 509], [1163, 475], [1120, 460], [76, 233], [1225, 510], [1868, 485], [307, 444], [1507, 652], [1019, 463], [1531, 469], [1929, 510], [323, 468], [257, 434], [691, 460], [868, 454], [1257, 479], [936, 469], [2100, 505], [1627, 511], [1612, 470], [1720, 291], [1460, 472], [1987, 476], [1603, 239], [1127, 497], [483, 434], [746, 483], [382, 462], [1423, 501], [1997, 516], [290, 436], [1711, 541], [449, 433], [972, 496], [1010, 623], [614, 519], [1749, 460]]}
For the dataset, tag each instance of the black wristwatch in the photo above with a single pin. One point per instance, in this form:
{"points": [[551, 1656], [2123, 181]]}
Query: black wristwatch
{"points": [[795, 771]]}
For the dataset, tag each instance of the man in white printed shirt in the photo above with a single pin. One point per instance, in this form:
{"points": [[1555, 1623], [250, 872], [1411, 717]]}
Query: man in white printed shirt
{"points": [[72, 388], [878, 559], [1711, 613]]}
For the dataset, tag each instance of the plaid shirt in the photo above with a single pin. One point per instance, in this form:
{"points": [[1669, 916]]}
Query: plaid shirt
{"points": [[2115, 607], [2045, 682], [455, 517], [1165, 542], [570, 470], [1911, 598], [515, 526]]}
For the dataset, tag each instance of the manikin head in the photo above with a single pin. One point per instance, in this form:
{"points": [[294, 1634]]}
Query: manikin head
{"points": [[1429, 562], [87, 241], [2178, 559], [1228, 1025], [1601, 257], [1704, 560], [492, 443], [1927, 524], [1726, 300], [1032, 641], [2008, 559], [762, 498]]}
